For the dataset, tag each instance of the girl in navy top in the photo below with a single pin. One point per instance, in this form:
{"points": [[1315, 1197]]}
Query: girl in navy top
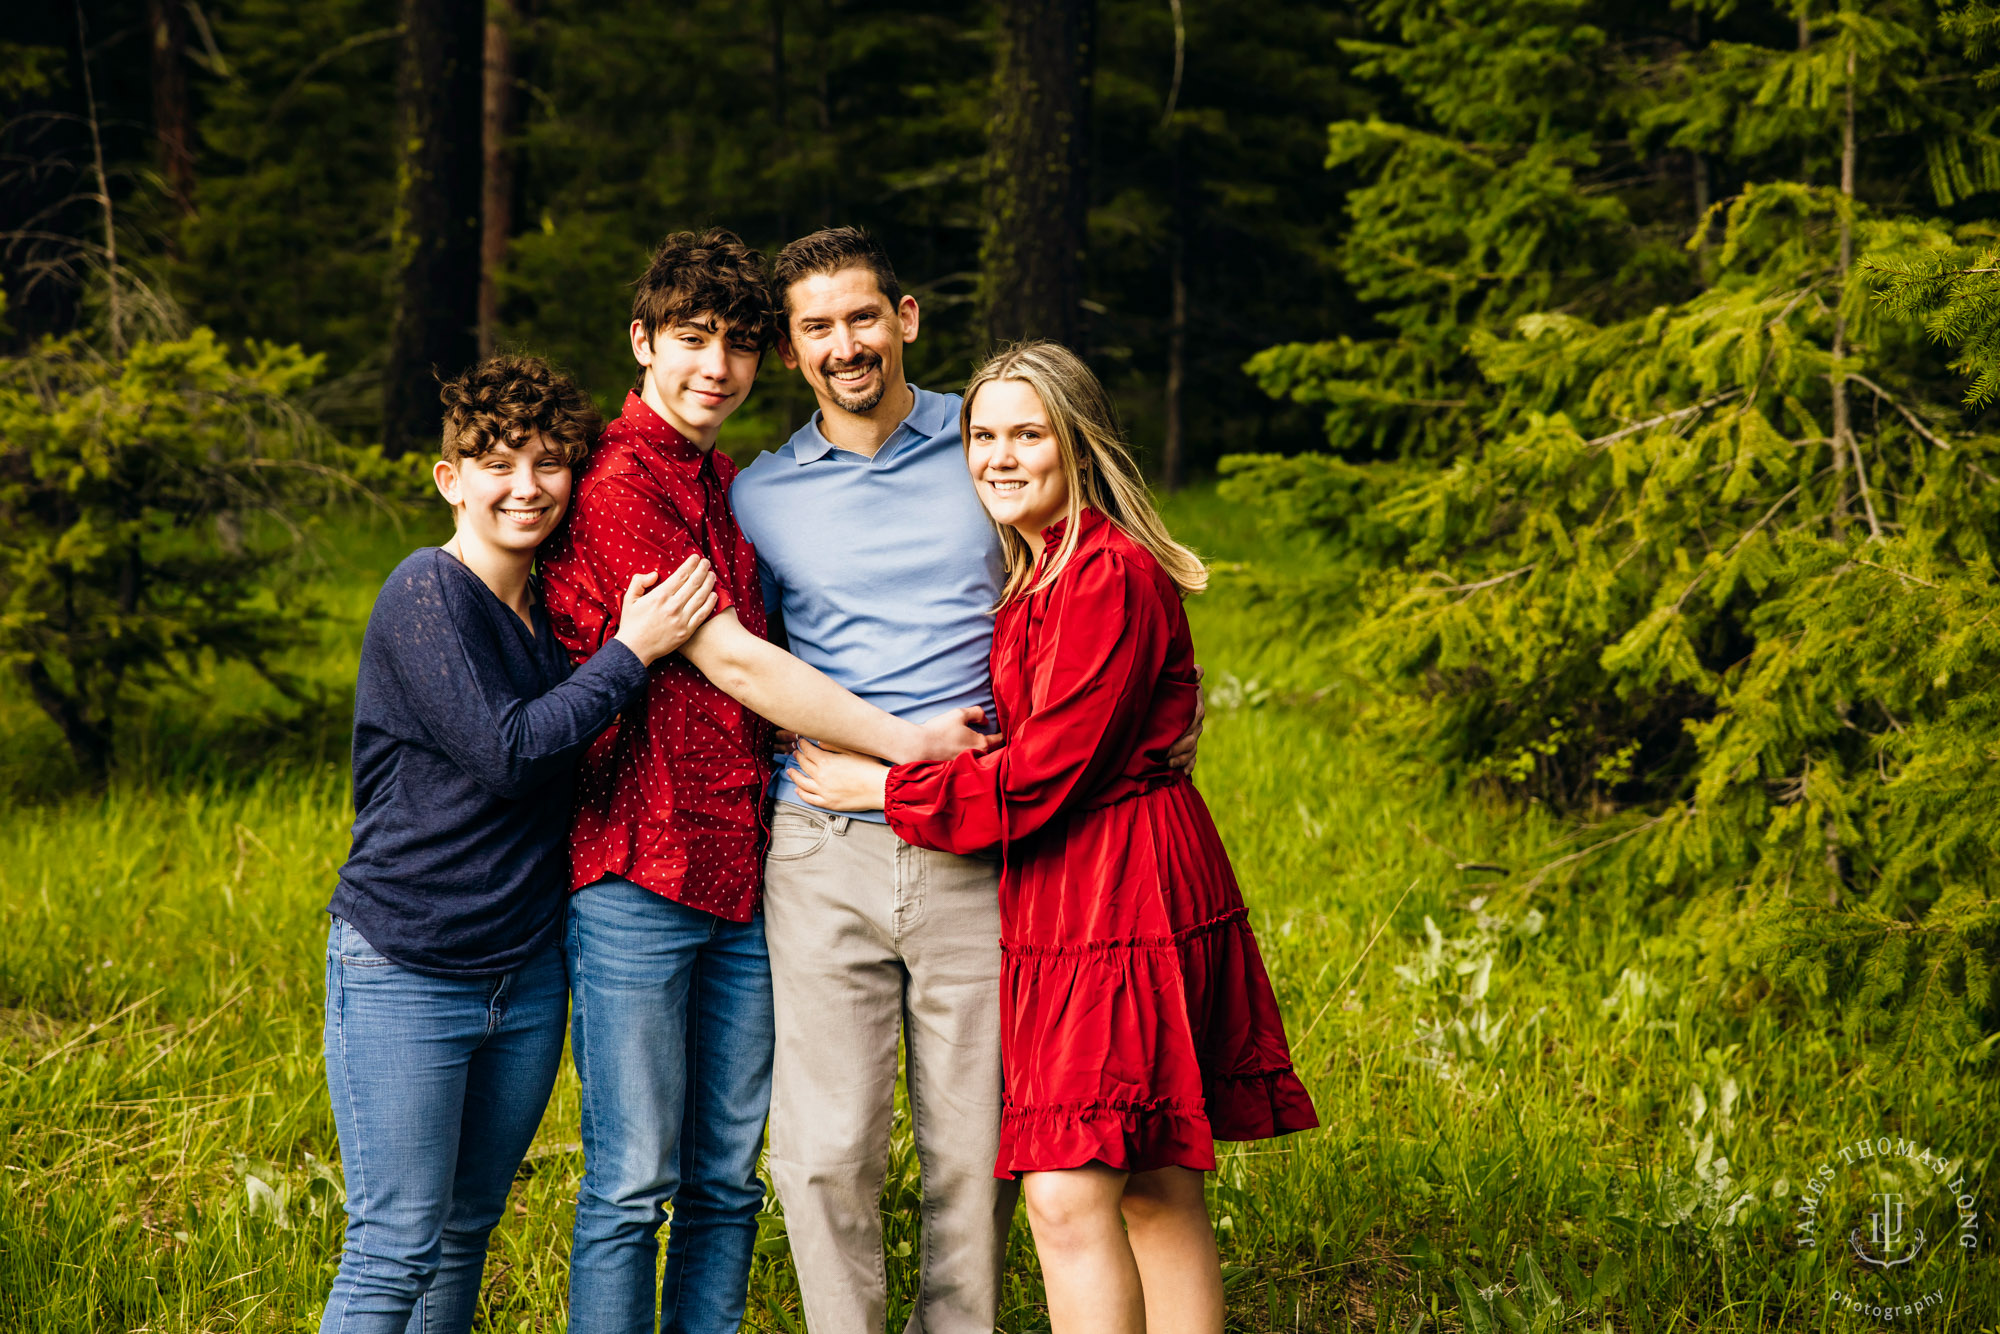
{"points": [[446, 996]]}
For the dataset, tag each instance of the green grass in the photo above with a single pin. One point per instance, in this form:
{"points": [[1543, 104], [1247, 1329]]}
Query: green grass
{"points": [[167, 1151]]}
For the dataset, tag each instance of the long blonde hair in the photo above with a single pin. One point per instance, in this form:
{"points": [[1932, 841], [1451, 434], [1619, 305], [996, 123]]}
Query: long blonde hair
{"points": [[1096, 462]]}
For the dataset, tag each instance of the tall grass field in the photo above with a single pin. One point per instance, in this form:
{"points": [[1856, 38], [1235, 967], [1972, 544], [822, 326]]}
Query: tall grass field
{"points": [[1539, 1113]]}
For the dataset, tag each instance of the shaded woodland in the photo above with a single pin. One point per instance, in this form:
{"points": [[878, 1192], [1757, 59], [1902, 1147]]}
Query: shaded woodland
{"points": [[1142, 179], [1633, 365]]}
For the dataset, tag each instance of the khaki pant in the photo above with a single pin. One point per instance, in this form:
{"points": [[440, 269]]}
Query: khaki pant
{"points": [[869, 935]]}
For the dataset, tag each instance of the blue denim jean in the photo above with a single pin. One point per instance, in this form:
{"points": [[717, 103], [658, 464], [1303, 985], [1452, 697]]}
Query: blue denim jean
{"points": [[438, 1085], [671, 1031]]}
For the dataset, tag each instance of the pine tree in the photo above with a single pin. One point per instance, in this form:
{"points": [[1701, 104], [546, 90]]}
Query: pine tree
{"points": [[112, 464], [1706, 556]]}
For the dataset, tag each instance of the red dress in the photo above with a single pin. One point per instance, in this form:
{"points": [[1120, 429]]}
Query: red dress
{"points": [[1137, 1022]]}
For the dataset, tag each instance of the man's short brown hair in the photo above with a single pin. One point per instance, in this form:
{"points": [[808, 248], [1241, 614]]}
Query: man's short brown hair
{"points": [[830, 250], [511, 400], [713, 273]]}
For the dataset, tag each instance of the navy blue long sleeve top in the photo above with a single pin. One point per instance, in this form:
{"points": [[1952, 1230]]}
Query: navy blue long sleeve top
{"points": [[467, 729]]}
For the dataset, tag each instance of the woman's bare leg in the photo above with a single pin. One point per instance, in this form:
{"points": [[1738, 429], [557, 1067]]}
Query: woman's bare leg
{"points": [[1174, 1248], [1087, 1264]]}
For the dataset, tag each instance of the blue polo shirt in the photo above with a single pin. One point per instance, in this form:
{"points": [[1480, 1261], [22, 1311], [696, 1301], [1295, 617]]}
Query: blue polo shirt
{"points": [[885, 569]]}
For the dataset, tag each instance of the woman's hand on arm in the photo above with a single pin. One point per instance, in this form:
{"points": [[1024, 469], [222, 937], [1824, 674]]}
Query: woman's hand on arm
{"points": [[838, 780], [657, 618]]}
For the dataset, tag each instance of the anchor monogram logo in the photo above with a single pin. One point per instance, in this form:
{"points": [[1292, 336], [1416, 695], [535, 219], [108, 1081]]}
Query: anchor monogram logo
{"points": [[1885, 1234]]}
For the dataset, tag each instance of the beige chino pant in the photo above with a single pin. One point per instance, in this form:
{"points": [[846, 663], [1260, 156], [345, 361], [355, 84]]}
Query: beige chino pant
{"points": [[870, 936]]}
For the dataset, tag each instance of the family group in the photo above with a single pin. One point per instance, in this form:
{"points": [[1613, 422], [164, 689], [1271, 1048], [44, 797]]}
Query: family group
{"points": [[742, 781]]}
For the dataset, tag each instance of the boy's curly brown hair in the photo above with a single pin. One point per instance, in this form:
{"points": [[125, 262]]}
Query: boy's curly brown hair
{"points": [[512, 399], [715, 272]]}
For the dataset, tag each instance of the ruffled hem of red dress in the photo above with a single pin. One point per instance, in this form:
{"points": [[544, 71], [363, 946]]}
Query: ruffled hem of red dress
{"points": [[1261, 1105], [1135, 1137]]}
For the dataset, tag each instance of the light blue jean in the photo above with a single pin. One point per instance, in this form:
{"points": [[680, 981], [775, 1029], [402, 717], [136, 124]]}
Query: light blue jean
{"points": [[438, 1085], [671, 1031]]}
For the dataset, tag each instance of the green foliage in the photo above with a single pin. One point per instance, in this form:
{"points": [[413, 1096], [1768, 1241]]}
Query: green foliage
{"points": [[126, 485], [1478, 208], [1953, 290], [289, 241], [1716, 572]]}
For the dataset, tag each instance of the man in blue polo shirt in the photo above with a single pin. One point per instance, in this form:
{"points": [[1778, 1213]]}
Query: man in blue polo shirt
{"points": [[876, 554]]}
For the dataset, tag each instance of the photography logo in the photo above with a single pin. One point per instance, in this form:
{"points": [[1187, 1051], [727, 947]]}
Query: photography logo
{"points": [[1894, 1226]]}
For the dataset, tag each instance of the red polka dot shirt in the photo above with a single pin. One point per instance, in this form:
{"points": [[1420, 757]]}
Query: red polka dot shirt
{"points": [[671, 795]]}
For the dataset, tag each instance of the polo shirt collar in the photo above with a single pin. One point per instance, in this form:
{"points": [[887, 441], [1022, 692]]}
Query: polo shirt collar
{"points": [[659, 434], [929, 415]]}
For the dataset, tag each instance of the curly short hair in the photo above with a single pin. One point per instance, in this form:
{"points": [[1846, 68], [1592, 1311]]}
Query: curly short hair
{"points": [[512, 399], [692, 275], [830, 250]]}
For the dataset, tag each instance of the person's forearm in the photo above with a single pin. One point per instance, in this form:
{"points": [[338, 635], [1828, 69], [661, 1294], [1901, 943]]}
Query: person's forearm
{"points": [[798, 697]]}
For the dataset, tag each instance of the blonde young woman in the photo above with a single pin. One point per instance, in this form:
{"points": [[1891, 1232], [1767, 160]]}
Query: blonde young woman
{"points": [[1138, 1022]]}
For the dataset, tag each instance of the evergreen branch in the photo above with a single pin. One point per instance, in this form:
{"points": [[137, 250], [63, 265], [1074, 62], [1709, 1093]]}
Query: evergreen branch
{"points": [[1483, 583], [1906, 578], [321, 61], [1662, 419], [1908, 416], [1861, 476], [1748, 533]]}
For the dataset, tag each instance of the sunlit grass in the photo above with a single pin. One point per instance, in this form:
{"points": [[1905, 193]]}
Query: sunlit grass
{"points": [[169, 1161]]}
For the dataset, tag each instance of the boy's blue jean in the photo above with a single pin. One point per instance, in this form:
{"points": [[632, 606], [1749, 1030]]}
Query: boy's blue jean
{"points": [[671, 1031], [438, 1085]]}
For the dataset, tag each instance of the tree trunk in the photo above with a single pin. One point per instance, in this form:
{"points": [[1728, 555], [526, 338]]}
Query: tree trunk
{"points": [[89, 740], [113, 300], [781, 117], [1698, 167], [1173, 456], [1845, 448], [437, 233], [1037, 182], [496, 210], [166, 20], [1805, 40], [1173, 453]]}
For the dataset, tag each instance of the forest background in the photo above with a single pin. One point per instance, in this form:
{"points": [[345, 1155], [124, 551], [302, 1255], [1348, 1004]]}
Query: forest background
{"points": [[1604, 632]]}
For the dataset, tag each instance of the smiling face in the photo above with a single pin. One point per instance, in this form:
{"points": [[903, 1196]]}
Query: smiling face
{"points": [[1015, 458], [697, 373], [508, 499], [846, 337]]}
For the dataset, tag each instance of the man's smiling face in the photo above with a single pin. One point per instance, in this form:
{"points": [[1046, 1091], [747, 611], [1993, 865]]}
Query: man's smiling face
{"points": [[843, 334]]}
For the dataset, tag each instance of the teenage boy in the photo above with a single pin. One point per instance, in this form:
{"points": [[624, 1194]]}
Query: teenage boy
{"points": [[671, 1021], [445, 994], [872, 541]]}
